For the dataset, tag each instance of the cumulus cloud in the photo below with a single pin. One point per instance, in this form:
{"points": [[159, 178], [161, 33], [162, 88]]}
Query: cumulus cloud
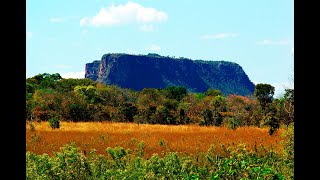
{"points": [[273, 42], [154, 47], [125, 14], [29, 35], [219, 36], [76, 75]]}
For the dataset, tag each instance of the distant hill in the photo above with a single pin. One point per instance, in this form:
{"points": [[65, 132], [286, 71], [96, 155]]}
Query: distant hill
{"points": [[155, 71]]}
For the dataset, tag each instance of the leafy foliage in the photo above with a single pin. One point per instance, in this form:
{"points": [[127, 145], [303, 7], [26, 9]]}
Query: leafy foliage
{"points": [[84, 100], [238, 163], [264, 93], [54, 122], [213, 92], [51, 98], [173, 92]]}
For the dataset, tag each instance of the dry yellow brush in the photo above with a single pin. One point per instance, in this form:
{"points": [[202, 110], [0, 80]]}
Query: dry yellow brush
{"points": [[184, 139]]}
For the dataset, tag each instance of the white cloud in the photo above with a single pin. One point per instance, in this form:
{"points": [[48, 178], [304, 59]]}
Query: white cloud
{"points": [[76, 75], [125, 14], [220, 36], [57, 20], [29, 35], [154, 47], [147, 27], [272, 42], [292, 51]]}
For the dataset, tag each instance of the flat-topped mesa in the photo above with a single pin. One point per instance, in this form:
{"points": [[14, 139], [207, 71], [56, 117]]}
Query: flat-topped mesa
{"points": [[91, 70], [155, 71]]}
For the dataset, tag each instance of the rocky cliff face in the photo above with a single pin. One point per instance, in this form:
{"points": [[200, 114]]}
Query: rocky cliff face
{"points": [[91, 70], [154, 71]]}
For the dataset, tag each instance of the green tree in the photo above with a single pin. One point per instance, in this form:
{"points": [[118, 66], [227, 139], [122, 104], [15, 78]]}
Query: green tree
{"points": [[162, 115], [45, 80], [219, 105], [148, 101], [30, 88], [128, 110], [175, 92], [286, 107], [213, 92], [78, 112], [110, 95], [183, 118], [244, 109], [47, 102], [264, 93], [66, 85], [150, 97], [87, 92], [271, 119], [30, 104], [207, 117]]}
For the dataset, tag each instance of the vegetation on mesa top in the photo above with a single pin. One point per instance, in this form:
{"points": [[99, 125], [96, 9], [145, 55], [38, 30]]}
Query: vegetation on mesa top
{"points": [[49, 95], [154, 71]]}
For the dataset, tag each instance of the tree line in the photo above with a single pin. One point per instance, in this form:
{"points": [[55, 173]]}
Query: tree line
{"points": [[50, 96]]}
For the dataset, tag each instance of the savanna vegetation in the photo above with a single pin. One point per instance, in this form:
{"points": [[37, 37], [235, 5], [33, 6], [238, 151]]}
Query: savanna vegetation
{"points": [[160, 152], [50, 98], [81, 129], [183, 139]]}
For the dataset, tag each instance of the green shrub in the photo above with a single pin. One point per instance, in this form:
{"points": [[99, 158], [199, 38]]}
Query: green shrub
{"points": [[231, 122], [238, 163], [54, 122]]}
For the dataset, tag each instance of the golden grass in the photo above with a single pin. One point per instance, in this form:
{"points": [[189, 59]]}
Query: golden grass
{"points": [[185, 139]]}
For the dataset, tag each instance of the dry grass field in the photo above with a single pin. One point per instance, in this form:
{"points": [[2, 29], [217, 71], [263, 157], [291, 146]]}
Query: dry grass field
{"points": [[185, 139]]}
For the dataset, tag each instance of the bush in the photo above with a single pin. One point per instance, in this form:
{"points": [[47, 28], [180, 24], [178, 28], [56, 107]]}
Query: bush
{"points": [[288, 144], [232, 122], [237, 163], [54, 122]]}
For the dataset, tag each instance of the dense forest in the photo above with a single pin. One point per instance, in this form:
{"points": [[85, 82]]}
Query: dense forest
{"points": [[49, 97]]}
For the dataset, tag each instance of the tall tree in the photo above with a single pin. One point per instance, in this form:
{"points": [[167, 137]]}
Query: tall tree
{"points": [[175, 92], [287, 107], [264, 93], [219, 105], [207, 117]]}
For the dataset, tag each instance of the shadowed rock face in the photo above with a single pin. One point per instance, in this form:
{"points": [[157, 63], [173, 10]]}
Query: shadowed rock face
{"points": [[91, 71], [155, 71]]}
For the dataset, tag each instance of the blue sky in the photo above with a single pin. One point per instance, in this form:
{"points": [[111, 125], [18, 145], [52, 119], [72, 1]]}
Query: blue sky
{"points": [[63, 35]]}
